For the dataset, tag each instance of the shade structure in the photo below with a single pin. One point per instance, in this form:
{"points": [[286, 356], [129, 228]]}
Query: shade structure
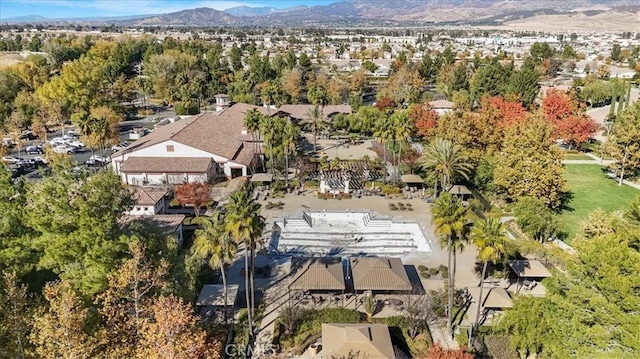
{"points": [[356, 341], [411, 179], [213, 295], [379, 274], [324, 274], [261, 177], [495, 297], [459, 189], [525, 268]]}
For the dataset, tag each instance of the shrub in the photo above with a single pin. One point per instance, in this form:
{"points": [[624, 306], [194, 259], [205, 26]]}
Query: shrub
{"points": [[174, 203], [423, 268], [433, 271], [444, 270], [425, 275]]}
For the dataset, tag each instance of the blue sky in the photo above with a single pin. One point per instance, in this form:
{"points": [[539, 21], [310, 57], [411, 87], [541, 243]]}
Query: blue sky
{"points": [[94, 8]]}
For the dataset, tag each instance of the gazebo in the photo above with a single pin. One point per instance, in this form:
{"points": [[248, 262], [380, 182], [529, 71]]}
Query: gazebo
{"points": [[356, 340], [493, 298], [412, 180], [322, 274], [211, 298], [460, 190], [213, 295], [379, 274], [528, 271]]}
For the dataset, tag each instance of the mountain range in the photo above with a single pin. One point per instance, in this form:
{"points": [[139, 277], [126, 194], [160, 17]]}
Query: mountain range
{"points": [[616, 13]]}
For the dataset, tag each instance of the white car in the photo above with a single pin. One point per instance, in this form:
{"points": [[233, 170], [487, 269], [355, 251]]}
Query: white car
{"points": [[119, 147], [10, 159], [75, 143], [57, 141], [98, 158], [64, 149]]}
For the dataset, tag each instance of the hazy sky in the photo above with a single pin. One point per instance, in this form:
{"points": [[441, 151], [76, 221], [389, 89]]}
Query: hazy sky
{"points": [[94, 8]]}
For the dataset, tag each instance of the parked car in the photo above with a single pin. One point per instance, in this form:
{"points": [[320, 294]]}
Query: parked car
{"points": [[10, 159], [28, 135], [120, 146], [98, 158], [34, 150], [64, 149], [94, 163], [75, 143], [8, 141]]}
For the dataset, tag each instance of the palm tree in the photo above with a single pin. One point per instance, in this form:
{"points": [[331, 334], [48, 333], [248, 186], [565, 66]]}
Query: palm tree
{"points": [[447, 160], [213, 244], [289, 140], [490, 237], [314, 118], [252, 124], [449, 218], [383, 132], [402, 130], [268, 129], [245, 224]]}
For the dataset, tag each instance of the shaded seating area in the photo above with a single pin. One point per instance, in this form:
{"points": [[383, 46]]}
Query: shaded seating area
{"points": [[493, 299], [460, 191], [529, 272], [211, 300], [379, 274], [356, 340], [317, 275]]}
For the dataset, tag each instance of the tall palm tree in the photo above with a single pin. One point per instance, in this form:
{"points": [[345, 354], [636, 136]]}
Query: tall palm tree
{"points": [[213, 244], [383, 132], [450, 219], [402, 130], [289, 140], [268, 130], [489, 235], [245, 224], [314, 118], [447, 160], [252, 124]]}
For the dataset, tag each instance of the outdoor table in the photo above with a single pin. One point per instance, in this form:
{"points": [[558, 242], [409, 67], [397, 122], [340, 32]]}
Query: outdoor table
{"points": [[395, 302], [526, 283]]}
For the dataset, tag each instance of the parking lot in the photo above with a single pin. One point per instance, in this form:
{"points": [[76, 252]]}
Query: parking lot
{"points": [[32, 168]]}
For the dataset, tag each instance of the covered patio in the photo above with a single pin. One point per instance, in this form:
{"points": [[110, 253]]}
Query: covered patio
{"points": [[530, 273], [460, 191], [380, 275], [494, 299], [211, 300], [317, 275]]}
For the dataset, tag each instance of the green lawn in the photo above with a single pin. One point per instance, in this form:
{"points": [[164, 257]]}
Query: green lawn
{"points": [[591, 188], [577, 156]]}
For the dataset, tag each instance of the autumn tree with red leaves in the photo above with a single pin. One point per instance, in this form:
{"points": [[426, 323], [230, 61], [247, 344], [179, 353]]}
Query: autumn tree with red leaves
{"points": [[568, 118], [424, 119], [385, 104], [193, 194], [438, 352], [510, 112]]}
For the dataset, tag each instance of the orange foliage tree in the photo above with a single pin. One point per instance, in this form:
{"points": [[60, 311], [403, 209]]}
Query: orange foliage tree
{"points": [[509, 112], [193, 194], [438, 352], [424, 119], [568, 118], [175, 332], [385, 103]]}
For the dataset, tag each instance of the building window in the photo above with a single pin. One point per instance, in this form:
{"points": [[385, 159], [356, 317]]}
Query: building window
{"points": [[146, 208], [138, 209], [170, 148]]}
